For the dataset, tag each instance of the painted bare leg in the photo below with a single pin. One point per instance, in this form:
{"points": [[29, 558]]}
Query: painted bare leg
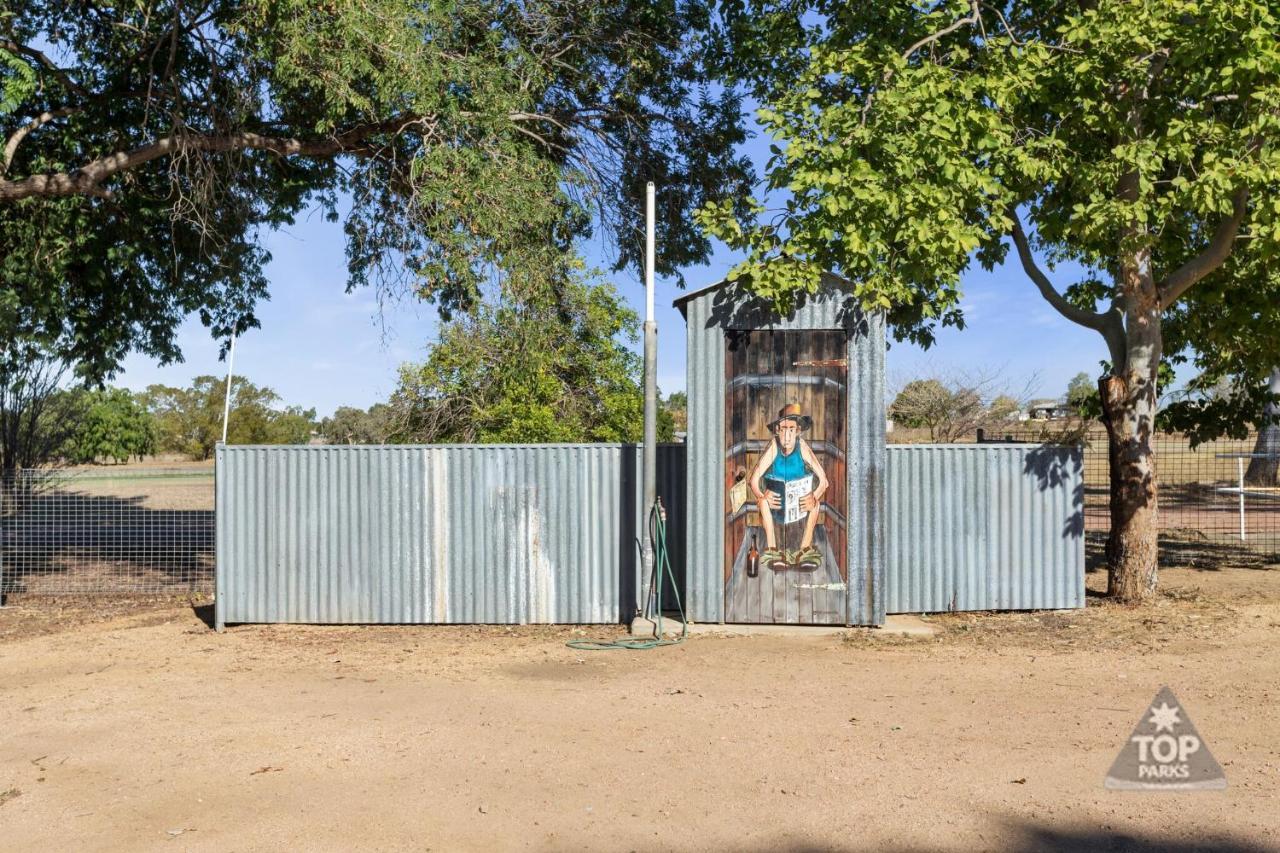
{"points": [[766, 521], [810, 524]]}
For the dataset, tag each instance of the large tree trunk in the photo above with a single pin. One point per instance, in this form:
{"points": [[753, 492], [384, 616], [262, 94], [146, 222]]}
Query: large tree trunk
{"points": [[1129, 405], [1266, 471], [1129, 413]]}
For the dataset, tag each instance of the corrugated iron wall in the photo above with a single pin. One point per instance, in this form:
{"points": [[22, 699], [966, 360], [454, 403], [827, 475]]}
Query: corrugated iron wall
{"points": [[984, 527], [520, 534], [707, 316], [704, 566], [867, 471], [434, 534]]}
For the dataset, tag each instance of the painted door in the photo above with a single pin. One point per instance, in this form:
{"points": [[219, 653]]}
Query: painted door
{"points": [[785, 479]]}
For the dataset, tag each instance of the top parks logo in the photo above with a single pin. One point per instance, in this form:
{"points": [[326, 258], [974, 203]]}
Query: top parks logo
{"points": [[1165, 753]]}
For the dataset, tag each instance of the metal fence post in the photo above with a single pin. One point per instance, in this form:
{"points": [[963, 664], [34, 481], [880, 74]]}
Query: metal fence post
{"points": [[1240, 468], [3, 538]]}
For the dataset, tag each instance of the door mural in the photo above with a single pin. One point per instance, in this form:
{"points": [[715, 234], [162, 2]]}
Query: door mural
{"points": [[785, 482]]}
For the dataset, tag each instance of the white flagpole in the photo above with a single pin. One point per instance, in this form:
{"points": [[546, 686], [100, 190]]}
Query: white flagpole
{"points": [[650, 457], [226, 406]]}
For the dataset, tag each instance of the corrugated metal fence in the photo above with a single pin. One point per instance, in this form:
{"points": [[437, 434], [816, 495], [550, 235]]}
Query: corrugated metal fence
{"points": [[438, 534], [549, 533], [984, 527]]}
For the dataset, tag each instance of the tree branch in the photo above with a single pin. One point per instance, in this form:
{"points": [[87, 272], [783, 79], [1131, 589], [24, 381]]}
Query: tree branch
{"points": [[11, 147], [1211, 257], [1107, 323], [974, 17], [1090, 319], [87, 179], [48, 64], [971, 18]]}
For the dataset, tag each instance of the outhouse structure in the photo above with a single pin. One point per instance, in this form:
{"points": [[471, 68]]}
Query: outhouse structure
{"points": [[785, 517]]}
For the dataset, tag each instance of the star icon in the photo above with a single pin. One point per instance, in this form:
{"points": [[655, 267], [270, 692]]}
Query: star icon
{"points": [[1164, 717]]}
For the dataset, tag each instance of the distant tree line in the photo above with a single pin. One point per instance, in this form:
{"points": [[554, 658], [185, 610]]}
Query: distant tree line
{"points": [[189, 420], [46, 418]]}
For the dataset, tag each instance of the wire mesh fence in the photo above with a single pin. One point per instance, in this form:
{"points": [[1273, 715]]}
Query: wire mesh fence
{"points": [[127, 530], [1219, 501]]}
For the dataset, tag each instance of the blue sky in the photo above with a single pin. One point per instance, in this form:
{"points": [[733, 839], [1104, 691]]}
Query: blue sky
{"points": [[320, 347]]}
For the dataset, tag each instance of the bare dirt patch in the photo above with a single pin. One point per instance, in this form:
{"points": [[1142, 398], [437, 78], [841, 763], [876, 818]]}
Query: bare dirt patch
{"points": [[26, 616], [143, 729]]}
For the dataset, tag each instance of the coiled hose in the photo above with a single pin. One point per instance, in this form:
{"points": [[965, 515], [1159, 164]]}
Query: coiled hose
{"points": [[661, 570]]}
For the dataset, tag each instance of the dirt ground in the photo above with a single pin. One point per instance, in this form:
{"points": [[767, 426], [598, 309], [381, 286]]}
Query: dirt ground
{"points": [[133, 726]]}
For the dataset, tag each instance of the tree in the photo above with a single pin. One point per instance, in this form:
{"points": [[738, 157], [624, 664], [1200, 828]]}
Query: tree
{"points": [[553, 369], [37, 418], [114, 426], [189, 420], [953, 409], [1003, 408], [1082, 396], [350, 425], [144, 146], [921, 403], [1264, 467], [666, 425], [1133, 142], [676, 406]]}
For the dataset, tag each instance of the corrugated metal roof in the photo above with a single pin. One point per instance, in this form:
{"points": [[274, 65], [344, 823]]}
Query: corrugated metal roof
{"points": [[830, 281]]}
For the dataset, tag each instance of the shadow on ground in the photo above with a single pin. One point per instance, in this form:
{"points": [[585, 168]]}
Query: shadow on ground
{"points": [[204, 612], [1191, 552], [1021, 837], [60, 541]]}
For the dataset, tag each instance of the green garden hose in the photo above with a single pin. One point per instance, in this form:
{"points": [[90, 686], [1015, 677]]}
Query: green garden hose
{"points": [[661, 569]]}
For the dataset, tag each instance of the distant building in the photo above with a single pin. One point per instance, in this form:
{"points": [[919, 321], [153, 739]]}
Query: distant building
{"points": [[1047, 410]]}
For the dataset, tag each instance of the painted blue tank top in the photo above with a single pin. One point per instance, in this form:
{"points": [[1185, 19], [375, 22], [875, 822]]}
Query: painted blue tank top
{"points": [[787, 467]]}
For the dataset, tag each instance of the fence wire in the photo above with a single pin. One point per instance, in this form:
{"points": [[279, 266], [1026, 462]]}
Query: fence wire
{"points": [[141, 530], [1207, 520]]}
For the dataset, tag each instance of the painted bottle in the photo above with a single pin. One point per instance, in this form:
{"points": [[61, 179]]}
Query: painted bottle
{"points": [[753, 560]]}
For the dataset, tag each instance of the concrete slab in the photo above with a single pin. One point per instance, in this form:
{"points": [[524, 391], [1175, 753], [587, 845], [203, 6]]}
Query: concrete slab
{"points": [[907, 625]]}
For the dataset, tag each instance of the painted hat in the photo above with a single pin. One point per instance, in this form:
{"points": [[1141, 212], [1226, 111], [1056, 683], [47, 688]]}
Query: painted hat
{"points": [[791, 412]]}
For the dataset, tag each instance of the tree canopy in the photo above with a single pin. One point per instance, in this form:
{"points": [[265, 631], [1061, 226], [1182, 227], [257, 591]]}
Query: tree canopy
{"points": [[37, 417], [112, 424], [189, 420], [553, 369], [349, 425], [1082, 395], [1125, 152], [914, 141], [145, 145], [955, 408]]}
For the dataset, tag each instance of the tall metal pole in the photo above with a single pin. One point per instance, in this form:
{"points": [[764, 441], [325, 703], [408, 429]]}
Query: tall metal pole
{"points": [[650, 401], [226, 406]]}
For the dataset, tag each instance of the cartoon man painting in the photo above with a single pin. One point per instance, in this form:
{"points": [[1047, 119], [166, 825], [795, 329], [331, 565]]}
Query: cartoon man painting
{"points": [[788, 484]]}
